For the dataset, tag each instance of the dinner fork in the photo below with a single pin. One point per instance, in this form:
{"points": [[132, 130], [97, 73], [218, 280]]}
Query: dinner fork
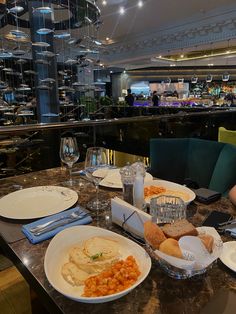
{"points": [[59, 224], [74, 215]]}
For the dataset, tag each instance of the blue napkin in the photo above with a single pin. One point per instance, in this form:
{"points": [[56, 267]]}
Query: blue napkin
{"points": [[36, 239]]}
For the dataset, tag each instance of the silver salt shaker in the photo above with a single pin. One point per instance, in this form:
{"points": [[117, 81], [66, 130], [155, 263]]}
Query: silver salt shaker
{"points": [[140, 173]]}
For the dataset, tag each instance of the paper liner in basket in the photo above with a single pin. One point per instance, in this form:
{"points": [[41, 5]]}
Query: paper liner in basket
{"points": [[196, 256]]}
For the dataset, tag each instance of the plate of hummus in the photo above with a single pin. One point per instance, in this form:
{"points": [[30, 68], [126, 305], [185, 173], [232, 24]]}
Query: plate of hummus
{"points": [[94, 265]]}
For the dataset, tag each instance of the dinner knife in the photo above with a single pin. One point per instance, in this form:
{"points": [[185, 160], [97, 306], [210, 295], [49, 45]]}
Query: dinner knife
{"points": [[228, 226], [59, 224]]}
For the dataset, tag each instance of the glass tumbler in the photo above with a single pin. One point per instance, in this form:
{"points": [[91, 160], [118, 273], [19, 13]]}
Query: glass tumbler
{"points": [[167, 209]]}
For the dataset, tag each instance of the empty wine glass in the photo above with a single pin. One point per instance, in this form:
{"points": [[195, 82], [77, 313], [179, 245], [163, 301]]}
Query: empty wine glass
{"points": [[69, 154], [96, 168]]}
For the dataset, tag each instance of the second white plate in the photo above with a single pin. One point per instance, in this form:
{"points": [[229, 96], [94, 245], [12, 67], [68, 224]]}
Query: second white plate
{"points": [[113, 179]]}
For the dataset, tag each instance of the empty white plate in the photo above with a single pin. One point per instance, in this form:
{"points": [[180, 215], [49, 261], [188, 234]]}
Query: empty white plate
{"points": [[228, 256]]}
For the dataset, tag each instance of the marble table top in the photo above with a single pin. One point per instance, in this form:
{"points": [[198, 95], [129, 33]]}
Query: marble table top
{"points": [[212, 292]]}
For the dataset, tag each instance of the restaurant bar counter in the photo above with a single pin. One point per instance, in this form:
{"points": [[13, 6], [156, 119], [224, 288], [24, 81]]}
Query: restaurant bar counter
{"points": [[210, 293]]}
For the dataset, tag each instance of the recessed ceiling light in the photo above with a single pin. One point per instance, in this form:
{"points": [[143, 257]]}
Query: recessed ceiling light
{"points": [[104, 2], [210, 64], [122, 10], [160, 56], [107, 38], [228, 51], [111, 71], [181, 56], [140, 4]]}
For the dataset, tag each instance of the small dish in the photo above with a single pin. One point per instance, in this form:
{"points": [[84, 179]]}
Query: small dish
{"points": [[228, 256]]}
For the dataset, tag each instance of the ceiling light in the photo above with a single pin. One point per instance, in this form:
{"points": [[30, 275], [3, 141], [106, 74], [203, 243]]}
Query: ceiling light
{"points": [[107, 38], [104, 2], [140, 4], [160, 56], [228, 51], [180, 80], [111, 72], [210, 64], [122, 10], [181, 56], [172, 65]]}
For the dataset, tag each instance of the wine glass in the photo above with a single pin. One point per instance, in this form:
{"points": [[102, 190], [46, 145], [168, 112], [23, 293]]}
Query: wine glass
{"points": [[69, 154], [96, 168]]}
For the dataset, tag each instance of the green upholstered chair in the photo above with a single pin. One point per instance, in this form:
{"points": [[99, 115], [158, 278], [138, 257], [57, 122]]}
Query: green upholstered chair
{"points": [[226, 136], [210, 164]]}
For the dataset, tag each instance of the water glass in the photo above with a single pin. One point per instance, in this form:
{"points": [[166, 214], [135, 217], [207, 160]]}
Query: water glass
{"points": [[69, 154], [167, 209]]}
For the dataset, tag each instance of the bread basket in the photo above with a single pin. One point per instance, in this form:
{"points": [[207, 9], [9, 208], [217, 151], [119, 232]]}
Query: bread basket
{"points": [[185, 273]]}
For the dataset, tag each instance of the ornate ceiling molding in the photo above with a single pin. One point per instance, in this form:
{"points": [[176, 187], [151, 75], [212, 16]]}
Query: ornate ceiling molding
{"points": [[220, 26]]}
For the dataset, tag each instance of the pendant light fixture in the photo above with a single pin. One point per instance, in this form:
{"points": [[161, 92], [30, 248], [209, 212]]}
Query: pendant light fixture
{"points": [[209, 78]]}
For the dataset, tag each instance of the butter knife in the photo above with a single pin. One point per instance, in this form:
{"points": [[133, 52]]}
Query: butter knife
{"points": [[59, 224]]}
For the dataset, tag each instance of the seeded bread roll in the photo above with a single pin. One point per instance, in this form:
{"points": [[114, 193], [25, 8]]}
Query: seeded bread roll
{"points": [[179, 229], [171, 247], [153, 234]]}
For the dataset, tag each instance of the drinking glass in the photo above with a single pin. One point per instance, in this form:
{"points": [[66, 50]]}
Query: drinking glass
{"points": [[167, 209], [96, 168], [69, 154]]}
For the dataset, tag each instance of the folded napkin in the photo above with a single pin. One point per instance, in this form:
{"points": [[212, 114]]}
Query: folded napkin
{"points": [[36, 239], [134, 217]]}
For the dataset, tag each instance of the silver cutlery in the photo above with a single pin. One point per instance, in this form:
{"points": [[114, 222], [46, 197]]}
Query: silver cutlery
{"points": [[74, 215], [59, 224], [227, 222], [228, 226]]}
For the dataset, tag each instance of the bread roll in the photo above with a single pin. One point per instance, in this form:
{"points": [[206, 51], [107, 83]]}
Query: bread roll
{"points": [[153, 234], [179, 229], [208, 241], [171, 247]]}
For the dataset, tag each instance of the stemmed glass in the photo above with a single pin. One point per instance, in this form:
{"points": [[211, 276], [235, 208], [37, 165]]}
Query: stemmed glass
{"points": [[96, 168], [69, 154]]}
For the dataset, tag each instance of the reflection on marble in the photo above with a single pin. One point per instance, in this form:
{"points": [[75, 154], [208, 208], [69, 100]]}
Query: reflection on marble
{"points": [[157, 294]]}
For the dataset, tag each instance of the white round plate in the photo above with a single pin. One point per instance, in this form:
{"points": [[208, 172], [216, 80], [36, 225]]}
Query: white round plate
{"points": [[228, 256], [190, 195], [57, 254], [36, 202], [113, 179]]}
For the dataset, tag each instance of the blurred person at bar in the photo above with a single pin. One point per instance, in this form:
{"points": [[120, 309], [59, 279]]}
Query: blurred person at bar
{"points": [[129, 99], [155, 99]]}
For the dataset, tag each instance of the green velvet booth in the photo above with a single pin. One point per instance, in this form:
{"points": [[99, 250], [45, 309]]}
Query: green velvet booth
{"points": [[210, 164]]}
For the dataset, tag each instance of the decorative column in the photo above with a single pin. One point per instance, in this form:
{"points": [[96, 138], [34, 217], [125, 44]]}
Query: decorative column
{"points": [[45, 65]]}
